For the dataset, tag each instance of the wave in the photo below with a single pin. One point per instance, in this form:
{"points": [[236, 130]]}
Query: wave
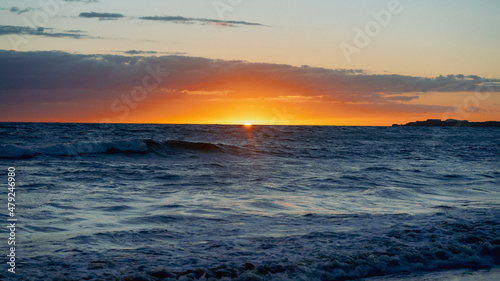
{"points": [[185, 145], [118, 147], [355, 247]]}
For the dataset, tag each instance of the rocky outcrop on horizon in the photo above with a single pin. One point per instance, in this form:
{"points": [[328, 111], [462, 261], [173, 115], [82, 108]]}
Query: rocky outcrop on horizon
{"points": [[450, 123]]}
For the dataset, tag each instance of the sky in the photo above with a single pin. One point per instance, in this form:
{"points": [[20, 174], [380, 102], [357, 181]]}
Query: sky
{"points": [[281, 62]]}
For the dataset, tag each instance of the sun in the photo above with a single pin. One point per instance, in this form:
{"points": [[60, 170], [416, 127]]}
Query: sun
{"points": [[248, 124]]}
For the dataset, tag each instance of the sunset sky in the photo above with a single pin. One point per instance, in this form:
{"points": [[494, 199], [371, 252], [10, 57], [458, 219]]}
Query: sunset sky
{"points": [[279, 62]]}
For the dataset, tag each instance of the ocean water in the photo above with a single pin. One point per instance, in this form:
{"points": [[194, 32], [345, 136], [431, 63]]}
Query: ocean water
{"points": [[198, 202]]}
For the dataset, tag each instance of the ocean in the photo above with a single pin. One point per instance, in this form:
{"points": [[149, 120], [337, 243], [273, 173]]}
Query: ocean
{"points": [[231, 202]]}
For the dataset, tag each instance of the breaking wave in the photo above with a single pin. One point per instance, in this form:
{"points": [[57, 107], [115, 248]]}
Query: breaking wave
{"points": [[116, 147]]}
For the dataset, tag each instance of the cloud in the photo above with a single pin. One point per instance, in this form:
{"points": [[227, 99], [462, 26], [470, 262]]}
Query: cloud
{"points": [[19, 11], [135, 52], [178, 19], [194, 73], [101, 16], [139, 52], [173, 19], [40, 31], [473, 109], [400, 98], [30, 79], [84, 1]]}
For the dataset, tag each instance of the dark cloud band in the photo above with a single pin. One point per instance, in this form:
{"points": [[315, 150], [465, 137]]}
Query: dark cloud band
{"points": [[84, 1], [99, 71], [178, 19], [19, 11], [173, 19], [101, 16], [40, 31], [74, 83]]}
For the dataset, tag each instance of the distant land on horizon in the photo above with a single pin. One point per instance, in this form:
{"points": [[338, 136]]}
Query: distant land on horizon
{"points": [[450, 123]]}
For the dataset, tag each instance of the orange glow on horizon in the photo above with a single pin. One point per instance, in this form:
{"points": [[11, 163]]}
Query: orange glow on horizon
{"points": [[266, 112], [261, 101]]}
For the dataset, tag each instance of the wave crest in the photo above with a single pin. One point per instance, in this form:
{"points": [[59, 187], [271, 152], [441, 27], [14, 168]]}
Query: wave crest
{"points": [[115, 147]]}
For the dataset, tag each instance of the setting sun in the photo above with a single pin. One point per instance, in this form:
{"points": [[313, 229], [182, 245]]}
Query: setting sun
{"points": [[248, 124]]}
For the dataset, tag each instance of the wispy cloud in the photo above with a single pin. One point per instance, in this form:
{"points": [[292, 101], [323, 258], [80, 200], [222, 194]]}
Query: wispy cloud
{"points": [[136, 52], [84, 1], [101, 16], [172, 19], [139, 52], [178, 19], [40, 31], [18, 11]]}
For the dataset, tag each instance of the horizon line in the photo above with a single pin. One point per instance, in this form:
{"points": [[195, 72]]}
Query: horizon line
{"points": [[220, 124]]}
